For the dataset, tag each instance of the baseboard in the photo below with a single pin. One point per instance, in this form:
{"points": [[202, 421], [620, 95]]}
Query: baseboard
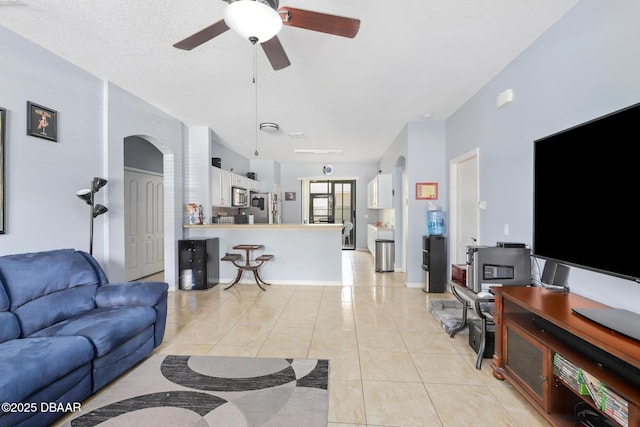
{"points": [[251, 281]]}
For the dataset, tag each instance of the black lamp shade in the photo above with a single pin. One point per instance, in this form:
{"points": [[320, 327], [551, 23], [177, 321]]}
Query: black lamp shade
{"points": [[99, 210], [95, 209], [98, 183], [84, 195]]}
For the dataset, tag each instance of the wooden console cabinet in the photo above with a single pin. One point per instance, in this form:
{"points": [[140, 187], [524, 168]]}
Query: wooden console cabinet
{"points": [[533, 325]]}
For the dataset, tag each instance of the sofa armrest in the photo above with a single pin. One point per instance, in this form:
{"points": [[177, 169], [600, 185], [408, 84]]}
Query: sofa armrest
{"points": [[147, 294]]}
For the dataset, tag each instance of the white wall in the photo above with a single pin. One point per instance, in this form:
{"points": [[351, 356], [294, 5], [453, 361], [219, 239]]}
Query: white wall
{"points": [[128, 115], [422, 144], [198, 169], [585, 66], [267, 173], [42, 177]]}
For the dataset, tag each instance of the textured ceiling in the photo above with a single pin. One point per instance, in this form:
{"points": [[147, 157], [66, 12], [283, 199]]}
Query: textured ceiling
{"points": [[411, 57]]}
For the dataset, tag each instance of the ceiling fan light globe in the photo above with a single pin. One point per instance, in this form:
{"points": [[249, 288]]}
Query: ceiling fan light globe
{"points": [[252, 18]]}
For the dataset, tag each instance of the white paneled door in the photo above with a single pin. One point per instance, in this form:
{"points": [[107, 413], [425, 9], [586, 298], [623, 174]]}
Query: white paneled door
{"points": [[464, 206], [144, 224]]}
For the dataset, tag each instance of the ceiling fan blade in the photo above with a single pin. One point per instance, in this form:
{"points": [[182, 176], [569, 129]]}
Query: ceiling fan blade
{"points": [[275, 53], [330, 24], [202, 36]]}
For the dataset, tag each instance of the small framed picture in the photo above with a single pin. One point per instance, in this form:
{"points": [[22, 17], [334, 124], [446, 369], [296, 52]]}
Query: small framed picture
{"points": [[290, 195], [42, 122], [426, 191]]}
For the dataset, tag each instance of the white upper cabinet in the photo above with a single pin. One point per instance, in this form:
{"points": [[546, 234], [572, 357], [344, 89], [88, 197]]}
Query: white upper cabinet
{"points": [[220, 187], [379, 192], [253, 185], [221, 183], [238, 181]]}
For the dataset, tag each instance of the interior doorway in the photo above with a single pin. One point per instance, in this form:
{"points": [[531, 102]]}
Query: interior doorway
{"points": [[333, 202], [465, 215], [143, 208]]}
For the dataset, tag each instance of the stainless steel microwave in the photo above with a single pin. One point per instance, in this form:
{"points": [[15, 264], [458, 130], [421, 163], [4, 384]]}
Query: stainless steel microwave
{"points": [[239, 197]]}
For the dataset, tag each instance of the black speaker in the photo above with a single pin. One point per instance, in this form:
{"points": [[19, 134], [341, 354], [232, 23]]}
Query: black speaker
{"points": [[216, 161], [555, 274]]}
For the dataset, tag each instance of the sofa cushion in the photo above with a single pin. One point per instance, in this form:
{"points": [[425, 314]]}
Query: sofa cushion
{"points": [[137, 293], [47, 287], [30, 364], [33, 275], [4, 299], [106, 328], [54, 308], [107, 368], [9, 328]]}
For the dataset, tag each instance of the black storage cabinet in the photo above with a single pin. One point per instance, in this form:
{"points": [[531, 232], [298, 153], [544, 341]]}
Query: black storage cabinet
{"points": [[202, 258], [434, 264]]}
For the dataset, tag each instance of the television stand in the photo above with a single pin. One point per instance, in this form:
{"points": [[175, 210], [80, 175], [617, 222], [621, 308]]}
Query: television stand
{"points": [[618, 320], [542, 346]]}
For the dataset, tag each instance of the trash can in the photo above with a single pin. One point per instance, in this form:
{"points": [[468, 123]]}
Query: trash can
{"points": [[385, 255]]}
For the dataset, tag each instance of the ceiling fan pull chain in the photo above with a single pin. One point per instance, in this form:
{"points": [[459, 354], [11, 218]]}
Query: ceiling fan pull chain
{"points": [[255, 84]]}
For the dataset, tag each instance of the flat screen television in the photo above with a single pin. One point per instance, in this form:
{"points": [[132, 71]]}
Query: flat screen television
{"points": [[586, 186]]}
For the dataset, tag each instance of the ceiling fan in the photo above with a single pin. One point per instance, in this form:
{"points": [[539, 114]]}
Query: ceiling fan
{"points": [[260, 21]]}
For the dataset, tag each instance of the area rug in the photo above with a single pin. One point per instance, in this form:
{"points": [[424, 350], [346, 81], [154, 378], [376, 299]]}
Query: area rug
{"points": [[213, 391]]}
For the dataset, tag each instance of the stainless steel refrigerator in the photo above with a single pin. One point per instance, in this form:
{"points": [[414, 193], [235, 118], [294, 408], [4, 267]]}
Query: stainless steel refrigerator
{"points": [[265, 208]]}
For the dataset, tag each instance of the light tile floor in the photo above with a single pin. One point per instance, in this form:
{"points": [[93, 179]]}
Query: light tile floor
{"points": [[391, 363]]}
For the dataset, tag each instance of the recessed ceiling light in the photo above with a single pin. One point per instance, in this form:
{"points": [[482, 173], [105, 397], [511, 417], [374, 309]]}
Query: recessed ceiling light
{"points": [[427, 116], [318, 151]]}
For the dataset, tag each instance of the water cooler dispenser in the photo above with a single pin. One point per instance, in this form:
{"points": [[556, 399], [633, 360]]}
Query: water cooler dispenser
{"points": [[435, 222], [434, 263]]}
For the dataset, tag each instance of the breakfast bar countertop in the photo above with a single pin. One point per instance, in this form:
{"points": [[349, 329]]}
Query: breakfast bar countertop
{"points": [[268, 226], [303, 254]]}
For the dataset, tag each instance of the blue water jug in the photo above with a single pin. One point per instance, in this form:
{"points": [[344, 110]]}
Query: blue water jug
{"points": [[435, 222]]}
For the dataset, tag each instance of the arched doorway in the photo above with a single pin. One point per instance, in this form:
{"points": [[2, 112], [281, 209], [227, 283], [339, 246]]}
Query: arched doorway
{"points": [[143, 208]]}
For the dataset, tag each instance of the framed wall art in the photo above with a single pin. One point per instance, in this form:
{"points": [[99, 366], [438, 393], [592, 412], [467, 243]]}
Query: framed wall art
{"points": [[3, 115], [42, 122], [426, 191], [290, 195]]}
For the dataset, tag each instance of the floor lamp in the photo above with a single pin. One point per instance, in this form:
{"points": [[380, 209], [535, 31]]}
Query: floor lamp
{"points": [[96, 209]]}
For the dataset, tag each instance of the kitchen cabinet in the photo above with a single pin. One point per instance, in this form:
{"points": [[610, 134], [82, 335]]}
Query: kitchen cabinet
{"points": [[374, 233], [380, 192], [253, 185], [221, 183], [220, 187], [238, 181]]}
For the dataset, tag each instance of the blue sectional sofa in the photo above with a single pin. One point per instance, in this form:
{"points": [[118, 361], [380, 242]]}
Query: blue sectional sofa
{"points": [[66, 332]]}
